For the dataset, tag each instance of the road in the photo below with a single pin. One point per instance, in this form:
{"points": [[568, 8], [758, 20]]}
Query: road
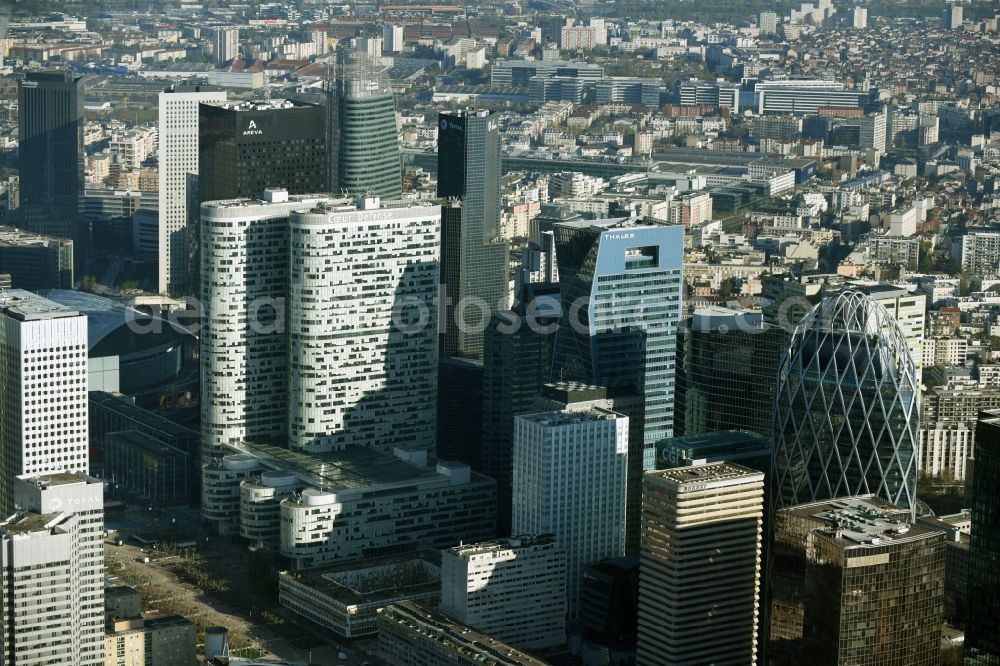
{"points": [[253, 619]]}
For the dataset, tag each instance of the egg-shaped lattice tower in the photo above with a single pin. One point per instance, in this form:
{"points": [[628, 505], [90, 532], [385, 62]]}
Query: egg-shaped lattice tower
{"points": [[846, 411]]}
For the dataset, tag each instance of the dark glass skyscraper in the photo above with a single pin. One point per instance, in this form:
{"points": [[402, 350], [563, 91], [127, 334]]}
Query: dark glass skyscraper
{"points": [[853, 582], [474, 257], [982, 636], [51, 155], [246, 148], [516, 362], [727, 368], [846, 415], [361, 126]]}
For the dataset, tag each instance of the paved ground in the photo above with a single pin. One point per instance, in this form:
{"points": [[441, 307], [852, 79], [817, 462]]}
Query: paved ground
{"points": [[210, 585]]}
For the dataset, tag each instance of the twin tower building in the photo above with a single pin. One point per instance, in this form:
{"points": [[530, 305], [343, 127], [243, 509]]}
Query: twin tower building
{"points": [[319, 286]]}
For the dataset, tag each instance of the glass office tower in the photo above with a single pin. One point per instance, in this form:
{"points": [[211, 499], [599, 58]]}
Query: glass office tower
{"points": [[982, 639], [474, 258], [361, 129], [620, 283], [727, 367], [51, 155], [846, 415]]}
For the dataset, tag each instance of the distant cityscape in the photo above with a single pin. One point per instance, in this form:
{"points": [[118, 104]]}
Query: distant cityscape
{"points": [[510, 334]]}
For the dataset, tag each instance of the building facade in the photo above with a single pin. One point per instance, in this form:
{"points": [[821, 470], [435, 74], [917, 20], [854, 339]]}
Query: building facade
{"points": [[727, 367], [362, 127], [512, 589], [346, 504], [178, 157], [702, 529], [855, 582], [363, 327], [516, 359], [981, 251], [51, 155], [244, 336], [846, 414], [52, 556], [982, 644], [36, 262], [43, 408], [570, 472], [474, 256], [621, 288], [246, 148]]}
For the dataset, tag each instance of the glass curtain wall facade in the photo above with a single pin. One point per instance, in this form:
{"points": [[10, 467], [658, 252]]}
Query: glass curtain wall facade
{"points": [[361, 129], [474, 258], [727, 366], [982, 630], [846, 416]]}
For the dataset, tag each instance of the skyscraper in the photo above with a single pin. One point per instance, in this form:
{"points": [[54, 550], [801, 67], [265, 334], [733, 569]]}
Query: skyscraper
{"points": [[52, 560], [953, 16], [768, 23], [859, 18], [306, 340], [474, 257], [51, 155], [516, 362], [569, 480], [178, 158], [244, 337], [512, 589], [699, 571], [620, 284], [43, 407], [727, 367], [364, 155], [854, 582], [363, 326], [982, 643], [846, 417], [246, 148]]}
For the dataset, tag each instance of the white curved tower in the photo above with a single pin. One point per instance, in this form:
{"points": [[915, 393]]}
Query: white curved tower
{"points": [[846, 414]]}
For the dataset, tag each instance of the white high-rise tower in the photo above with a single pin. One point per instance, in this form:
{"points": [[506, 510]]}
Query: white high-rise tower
{"points": [[52, 565], [570, 473], [363, 339], [178, 158], [43, 402]]}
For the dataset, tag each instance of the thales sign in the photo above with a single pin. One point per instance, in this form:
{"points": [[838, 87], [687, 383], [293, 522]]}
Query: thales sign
{"points": [[251, 129]]}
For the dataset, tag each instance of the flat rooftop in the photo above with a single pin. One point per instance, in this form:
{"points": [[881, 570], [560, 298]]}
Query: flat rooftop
{"points": [[353, 469], [26, 306], [29, 523], [273, 105], [862, 521], [498, 545], [460, 638], [552, 419], [151, 420], [55, 479], [13, 237], [375, 581], [718, 472], [718, 443]]}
